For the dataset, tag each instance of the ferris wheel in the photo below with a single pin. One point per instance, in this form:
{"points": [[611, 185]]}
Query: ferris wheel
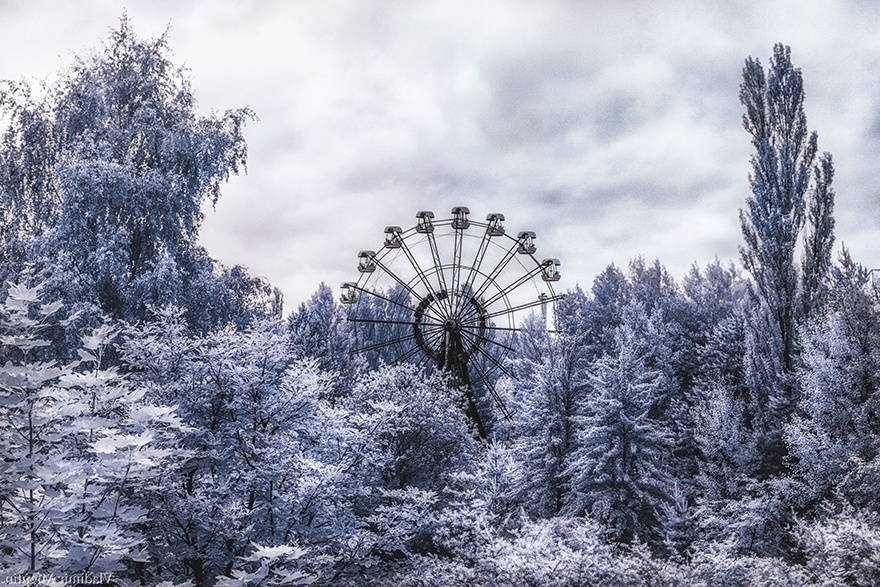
{"points": [[450, 294]]}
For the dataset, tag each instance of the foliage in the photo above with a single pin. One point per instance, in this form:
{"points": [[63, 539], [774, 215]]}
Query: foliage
{"points": [[842, 549], [78, 441], [549, 396], [103, 177], [819, 239], [160, 421], [781, 170], [618, 472]]}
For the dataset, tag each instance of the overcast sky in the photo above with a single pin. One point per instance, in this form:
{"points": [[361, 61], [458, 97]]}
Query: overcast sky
{"points": [[610, 128]]}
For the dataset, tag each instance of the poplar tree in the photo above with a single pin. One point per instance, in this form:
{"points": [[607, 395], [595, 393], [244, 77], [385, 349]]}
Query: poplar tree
{"points": [[819, 238], [781, 169]]}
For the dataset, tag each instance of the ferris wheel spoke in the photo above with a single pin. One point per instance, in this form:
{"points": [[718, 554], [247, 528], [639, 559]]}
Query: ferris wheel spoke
{"points": [[496, 271], [379, 321], [478, 260], [497, 363], [493, 392], [513, 329], [456, 268], [440, 312], [385, 298], [441, 277], [503, 292], [423, 277], [383, 344], [432, 335], [394, 276], [434, 342], [489, 340], [472, 337], [525, 306], [428, 341], [407, 355], [474, 311], [503, 328], [423, 362], [395, 302]]}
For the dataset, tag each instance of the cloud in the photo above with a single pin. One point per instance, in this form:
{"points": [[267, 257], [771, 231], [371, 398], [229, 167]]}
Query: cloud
{"points": [[611, 129]]}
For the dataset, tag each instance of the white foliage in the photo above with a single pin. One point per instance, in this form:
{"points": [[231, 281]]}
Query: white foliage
{"points": [[73, 456], [842, 549]]}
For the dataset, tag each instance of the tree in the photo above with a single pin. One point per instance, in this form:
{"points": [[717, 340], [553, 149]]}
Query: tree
{"points": [[30, 423], [836, 436], [318, 331], [832, 434], [781, 168], [117, 154], [249, 411], [611, 293], [418, 430], [618, 472], [674, 336], [819, 239], [28, 191], [548, 397], [77, 440], [842, 549], [652, 286]]}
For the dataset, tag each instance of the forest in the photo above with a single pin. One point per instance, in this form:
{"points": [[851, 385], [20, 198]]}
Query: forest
{"points": [[163, 423]]}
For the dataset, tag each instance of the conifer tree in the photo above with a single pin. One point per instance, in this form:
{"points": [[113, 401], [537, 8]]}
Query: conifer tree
{"points": [[619, 470], [549, 396], [318, 330]]}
